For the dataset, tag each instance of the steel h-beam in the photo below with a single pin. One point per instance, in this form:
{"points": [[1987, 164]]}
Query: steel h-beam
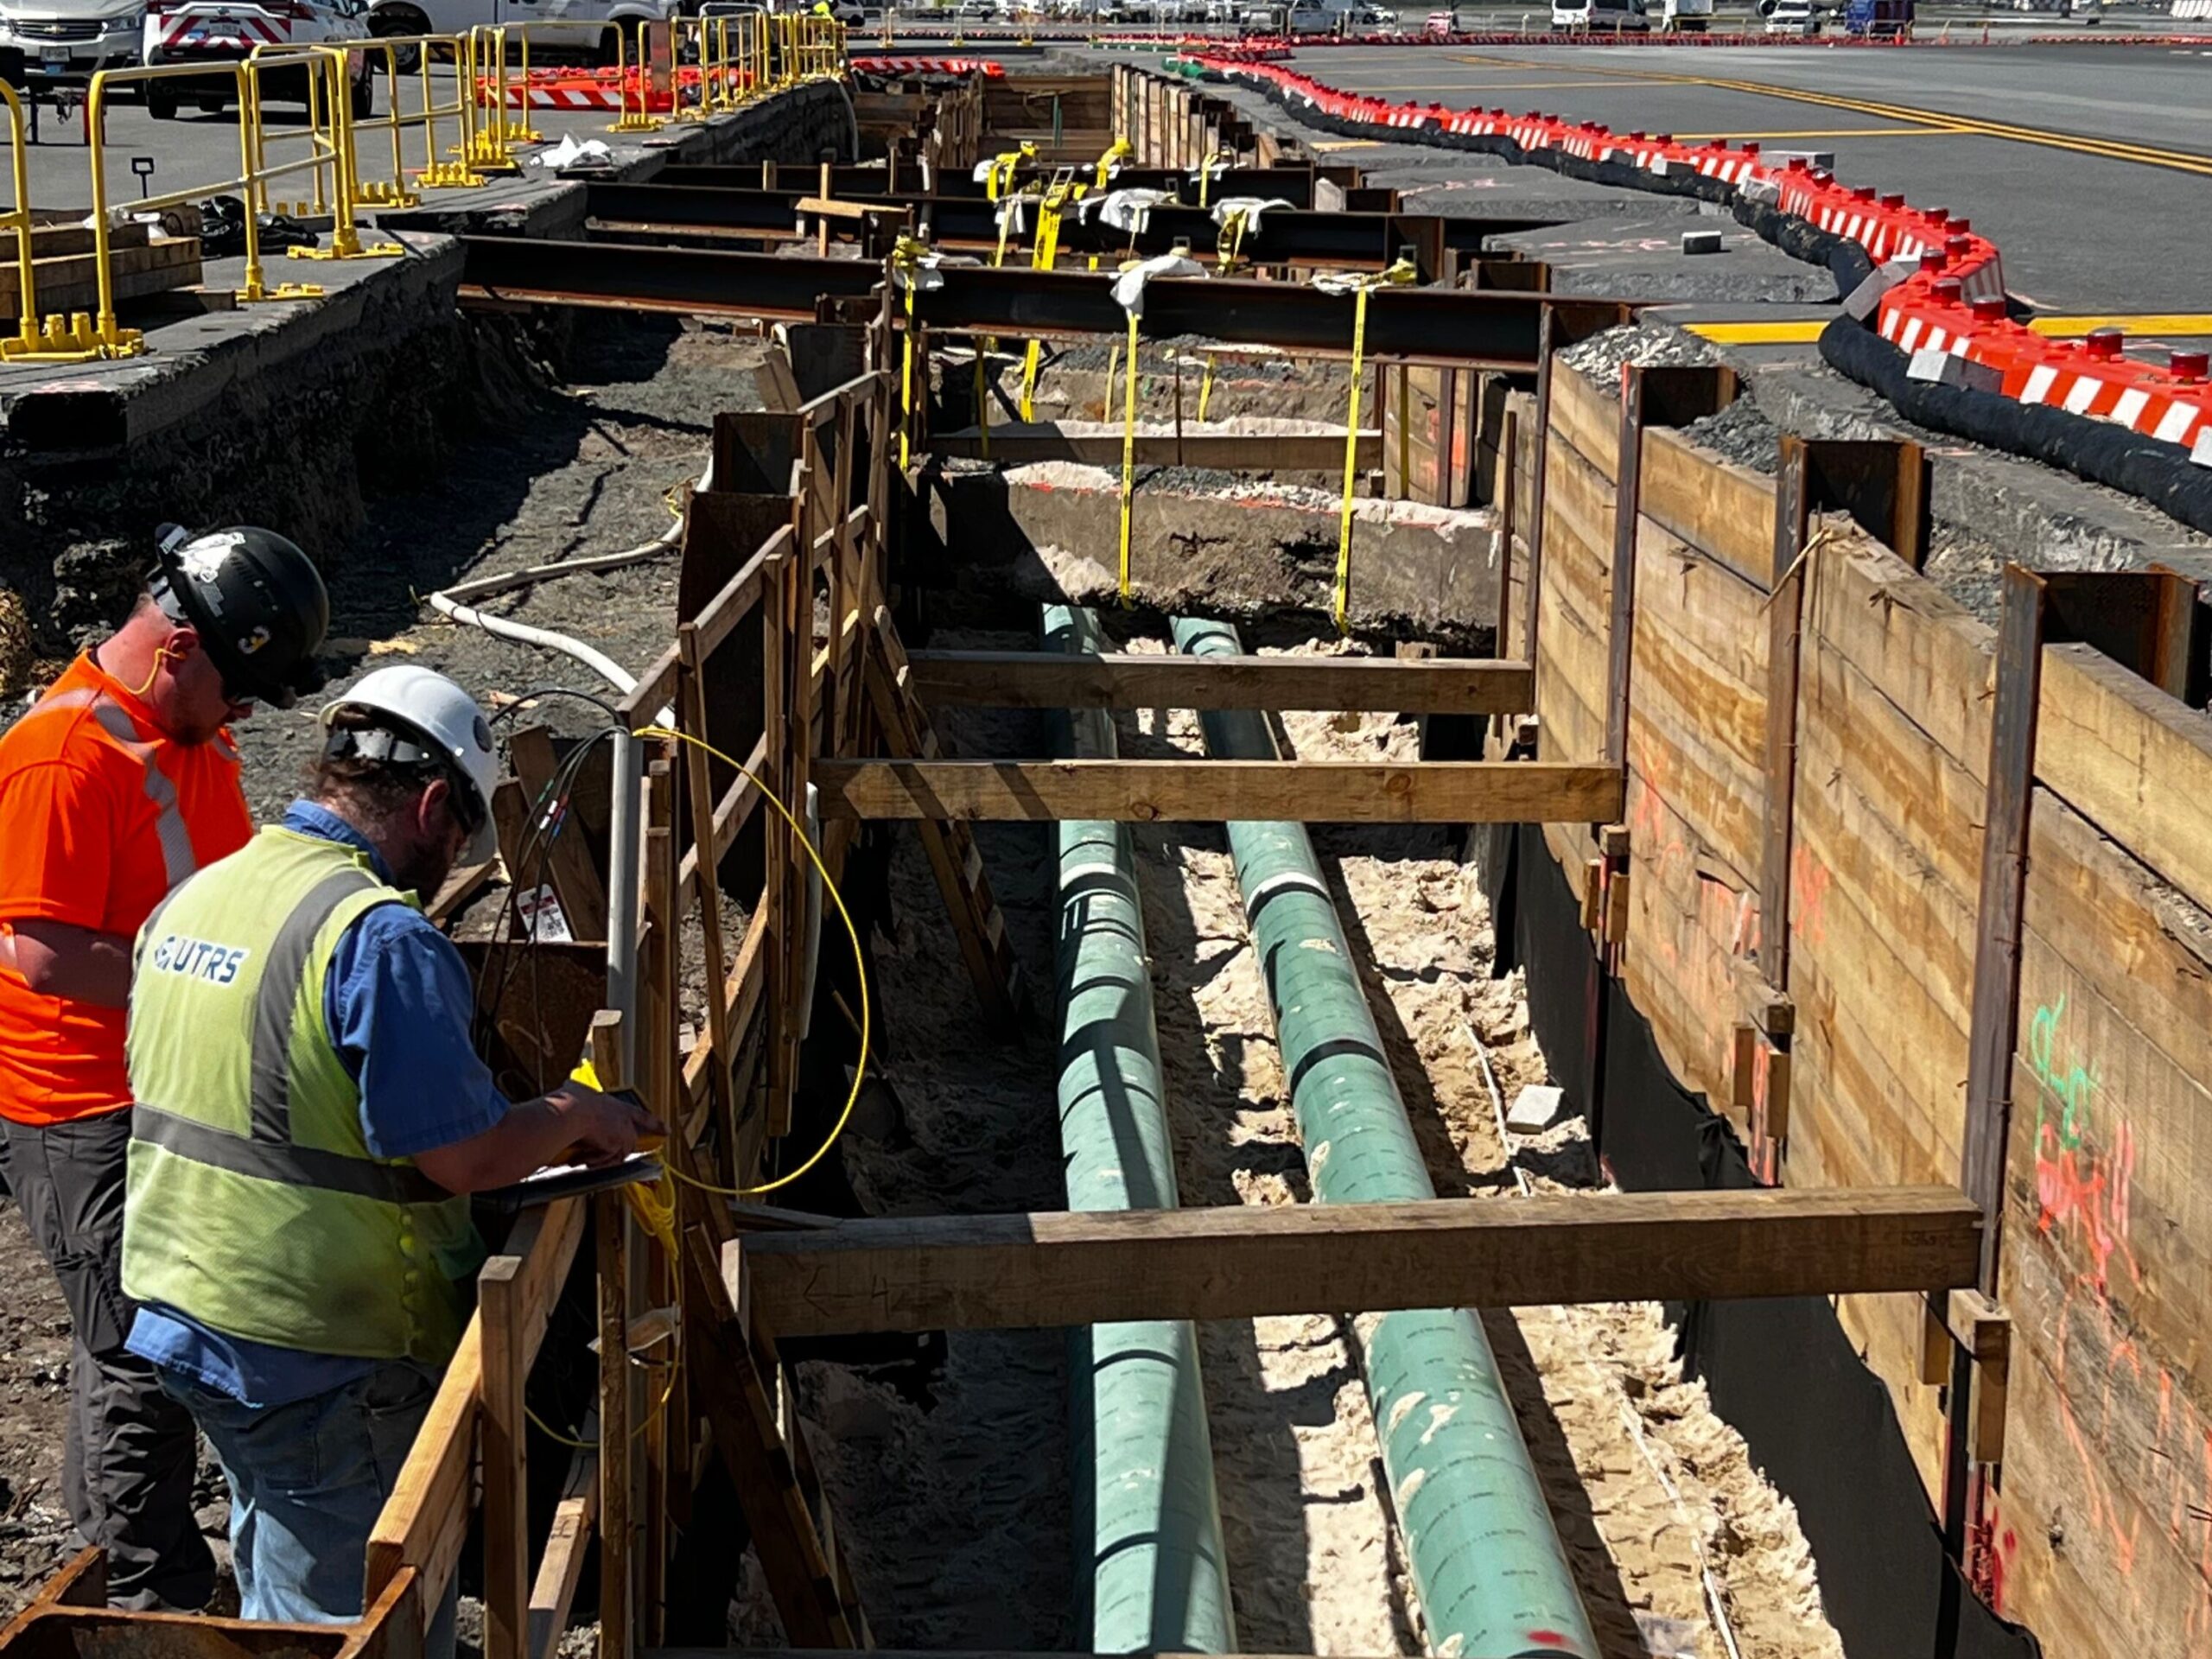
{"points": [[1282, 236], [1449, 327]]}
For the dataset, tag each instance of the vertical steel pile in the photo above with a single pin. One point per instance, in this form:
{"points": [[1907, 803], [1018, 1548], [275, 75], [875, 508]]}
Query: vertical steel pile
{"points": [[1487, 1565], [1148, 1526]]}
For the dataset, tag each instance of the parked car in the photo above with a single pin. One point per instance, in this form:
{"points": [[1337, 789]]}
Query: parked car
{"points": [[577, 27], [218, 33], [67, 38], [1792, 17], [1568, 16]]}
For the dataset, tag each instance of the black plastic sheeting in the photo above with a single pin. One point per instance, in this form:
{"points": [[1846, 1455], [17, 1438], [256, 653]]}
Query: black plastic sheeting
{"points": [[2104, 453], [1781, 1371], [2160, 474]]}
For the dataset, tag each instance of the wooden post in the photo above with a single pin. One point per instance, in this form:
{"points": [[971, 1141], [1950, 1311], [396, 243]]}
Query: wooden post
{"points": [[776, 836], [1628, 488], [1502, 497], [507, 1473], [652, 1282], [1542, 447], [1785, 613], [617, 1577], [692, 690], [1996, 1012]]}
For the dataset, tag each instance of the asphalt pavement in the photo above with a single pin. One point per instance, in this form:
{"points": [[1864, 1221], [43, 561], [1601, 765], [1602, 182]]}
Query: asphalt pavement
{"points": [[200, 152], [2090, 166]]}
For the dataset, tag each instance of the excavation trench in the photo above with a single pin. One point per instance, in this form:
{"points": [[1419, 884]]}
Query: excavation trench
{"points": [[950, 1465]]}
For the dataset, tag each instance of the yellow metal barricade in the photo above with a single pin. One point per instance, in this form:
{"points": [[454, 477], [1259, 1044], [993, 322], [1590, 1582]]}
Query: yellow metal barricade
{"points": [[106, 335], [437, 172], [331, 145], [642, 119], [36, 339]]}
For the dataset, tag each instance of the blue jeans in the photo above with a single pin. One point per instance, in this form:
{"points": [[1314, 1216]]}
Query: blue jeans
{"points": [[307, 1481]]}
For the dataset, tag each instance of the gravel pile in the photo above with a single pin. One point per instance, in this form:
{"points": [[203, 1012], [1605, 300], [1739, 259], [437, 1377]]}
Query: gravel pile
{"points": [[1741, 432], [1646, 344]]}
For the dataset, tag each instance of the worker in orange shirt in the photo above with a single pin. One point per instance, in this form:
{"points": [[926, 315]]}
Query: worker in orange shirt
{"points": [[115, 786]]}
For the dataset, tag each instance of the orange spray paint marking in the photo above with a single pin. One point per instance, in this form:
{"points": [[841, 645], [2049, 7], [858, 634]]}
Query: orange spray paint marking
{"points": [[1808, 891]]}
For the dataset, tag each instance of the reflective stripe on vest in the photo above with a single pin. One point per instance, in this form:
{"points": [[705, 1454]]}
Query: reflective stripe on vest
{"points": [[271, 1103], [178, 859], [328, 1171]]}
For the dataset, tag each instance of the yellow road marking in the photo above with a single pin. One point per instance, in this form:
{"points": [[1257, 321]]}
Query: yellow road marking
{"points": [[2111, 149], [1330, 145], [1757, 333], [1804, 331], [1825, 132], [2152, 322]]}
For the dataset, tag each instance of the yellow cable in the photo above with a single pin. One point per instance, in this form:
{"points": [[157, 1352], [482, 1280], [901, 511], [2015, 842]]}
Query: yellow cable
{"points": [[859, 968]]}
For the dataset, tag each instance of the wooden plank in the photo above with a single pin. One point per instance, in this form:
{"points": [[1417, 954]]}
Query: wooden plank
{"points": [[1785, 626], [612, 1225], [575, 879], [1311, 452], [70, 281], [2011, 785], [719, 617], [506, 1470], [426, 1517], [1586, 415], [747, 1438], [1057, 1268], [1034, 679], [1716, 506], [1213, 792], [2133, 760], [553, 1591]]}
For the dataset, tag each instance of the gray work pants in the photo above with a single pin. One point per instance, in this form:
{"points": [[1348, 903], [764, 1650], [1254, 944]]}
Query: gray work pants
{"points": [[131, 1451]]}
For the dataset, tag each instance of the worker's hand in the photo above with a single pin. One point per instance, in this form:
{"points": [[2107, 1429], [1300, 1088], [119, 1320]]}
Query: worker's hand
{"points": [[602, 1130]]}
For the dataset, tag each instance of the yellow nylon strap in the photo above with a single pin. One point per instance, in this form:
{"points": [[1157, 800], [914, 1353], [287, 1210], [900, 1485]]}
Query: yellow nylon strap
{"points": [[1205, 175], [906, 257], [1342, 609], [1119, 150], [1043, 254], [1128, 449]]}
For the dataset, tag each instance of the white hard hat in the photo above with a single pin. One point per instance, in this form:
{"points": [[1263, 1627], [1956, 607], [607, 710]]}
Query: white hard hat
{"points": [[447, 717]]}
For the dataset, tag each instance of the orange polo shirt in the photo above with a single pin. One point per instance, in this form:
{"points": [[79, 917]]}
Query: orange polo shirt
{"points": [[100, 815]]}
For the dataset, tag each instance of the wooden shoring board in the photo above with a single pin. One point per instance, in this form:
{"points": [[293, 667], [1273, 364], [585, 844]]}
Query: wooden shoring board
{"points": [[1058, 1268], [955, 860], [1214, 791], [1030, 679], [749, 1437], [2109, 1212], [426, 1517]]}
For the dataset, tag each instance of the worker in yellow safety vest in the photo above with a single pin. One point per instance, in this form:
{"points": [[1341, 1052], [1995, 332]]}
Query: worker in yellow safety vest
{"points": [[310, 1114]]}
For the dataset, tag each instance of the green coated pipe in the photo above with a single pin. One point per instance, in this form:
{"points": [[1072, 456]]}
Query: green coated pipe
{"points": [[1148, 1526], [1492, 1579]]}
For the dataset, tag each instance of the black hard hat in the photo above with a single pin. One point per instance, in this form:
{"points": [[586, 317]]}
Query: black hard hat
{"points": [[258, 602]]}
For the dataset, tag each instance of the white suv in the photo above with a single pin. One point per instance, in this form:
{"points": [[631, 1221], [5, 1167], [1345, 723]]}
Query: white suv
{"points": [[218, 33], [73, 38]]}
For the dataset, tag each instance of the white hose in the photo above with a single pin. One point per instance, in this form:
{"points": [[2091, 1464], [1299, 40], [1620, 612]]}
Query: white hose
{"points": [[446, 602], [604, 666]]}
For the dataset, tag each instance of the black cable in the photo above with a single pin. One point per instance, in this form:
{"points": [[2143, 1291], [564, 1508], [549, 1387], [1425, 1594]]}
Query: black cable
{"points": [[597, 702]]}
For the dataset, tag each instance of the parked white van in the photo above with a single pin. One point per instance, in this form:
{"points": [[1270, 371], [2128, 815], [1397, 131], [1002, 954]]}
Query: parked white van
{"points": [[572, 25]]}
